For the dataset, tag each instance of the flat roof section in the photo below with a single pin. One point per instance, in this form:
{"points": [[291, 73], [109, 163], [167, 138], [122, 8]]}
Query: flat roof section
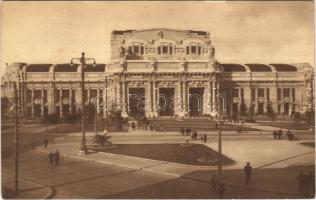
{"points": [[233, 68], [38, 68], [65, 68], [284, 67], [96, 68], [255, 67]]}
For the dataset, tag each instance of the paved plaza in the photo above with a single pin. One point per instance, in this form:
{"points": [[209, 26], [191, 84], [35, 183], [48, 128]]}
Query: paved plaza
{"points": [[276, 166]]}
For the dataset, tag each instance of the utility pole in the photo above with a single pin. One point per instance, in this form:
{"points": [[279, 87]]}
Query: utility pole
{"points": [[106, 100], [220, 108], [83, 61], [16, 140]]}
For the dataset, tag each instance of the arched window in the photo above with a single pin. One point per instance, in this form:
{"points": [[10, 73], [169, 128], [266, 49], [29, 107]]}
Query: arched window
{"points": [[136, 48], [165, 49], [194, 49]]}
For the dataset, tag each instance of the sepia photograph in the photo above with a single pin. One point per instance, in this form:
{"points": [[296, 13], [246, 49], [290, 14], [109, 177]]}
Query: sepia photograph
{"points": [[157, 100]]}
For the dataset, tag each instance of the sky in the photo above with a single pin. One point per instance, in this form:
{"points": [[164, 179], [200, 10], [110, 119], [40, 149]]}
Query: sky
{"points": [[242, 32]]}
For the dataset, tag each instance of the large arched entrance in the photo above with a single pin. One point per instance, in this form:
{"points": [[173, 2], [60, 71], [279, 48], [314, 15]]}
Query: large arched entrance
{"points": [[165, 101], [136, 97], [196, 101]]}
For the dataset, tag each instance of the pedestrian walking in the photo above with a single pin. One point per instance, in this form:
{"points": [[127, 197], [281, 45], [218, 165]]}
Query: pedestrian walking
{"points": [[56, 157], [51, 158], [275, 135], [182, 130], [221, 190], [189, 131], [280, 133], [205, 137], [247, 170], [147, 124], [151, 128], [45, 142], [133, 126], [214, 183]]}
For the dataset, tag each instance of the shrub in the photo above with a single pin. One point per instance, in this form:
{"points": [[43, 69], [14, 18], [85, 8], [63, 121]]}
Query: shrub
{"points": [[72, 118], [51, 118]]}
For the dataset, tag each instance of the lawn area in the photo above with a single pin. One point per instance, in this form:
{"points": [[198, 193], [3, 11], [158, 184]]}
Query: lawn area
{"points": [[70, 128], [177, 153], [233, 127], [311, 144], [287, 125]]}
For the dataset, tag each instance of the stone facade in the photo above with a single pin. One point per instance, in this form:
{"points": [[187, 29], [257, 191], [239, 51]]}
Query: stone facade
{"points": [[158, 72]]}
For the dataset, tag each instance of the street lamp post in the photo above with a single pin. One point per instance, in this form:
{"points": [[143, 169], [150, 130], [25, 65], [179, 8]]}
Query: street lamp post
{"points": [[220, 96], [16, 139], [106, 98], [83, 61]]}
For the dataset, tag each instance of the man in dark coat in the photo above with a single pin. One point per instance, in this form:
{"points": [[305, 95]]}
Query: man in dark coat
{"points": [[221, 190], [56, 157], [182, 130], [280, 134], [133, 126], [51, 157], [247, 170], [275, 134], [214, 182], [45, 142]]}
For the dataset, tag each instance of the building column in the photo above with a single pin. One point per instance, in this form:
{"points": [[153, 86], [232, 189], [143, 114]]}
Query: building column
{"points": [[188, 97], [78, 98], [32, 102], [88, 94], [282, 100], [97, 100], [290, 101], [265, 103], [155, 98], [124, 103], [61, 101], [256, 100], [70, 100], [42, 101], [214, 96], [239, 101], [50, 98], [148, 99], [184, 97], [207, 100], [178, 102], [274, 97]]}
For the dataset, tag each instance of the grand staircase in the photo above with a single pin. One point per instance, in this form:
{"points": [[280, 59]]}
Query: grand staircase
{"points": [[162, 124]]}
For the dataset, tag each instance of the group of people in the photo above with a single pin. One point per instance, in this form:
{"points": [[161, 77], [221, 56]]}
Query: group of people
{"points": [[185, 131], [277, 135], [54, 158], [145, 126], [306, 184], [203, 137], [194, 134]]}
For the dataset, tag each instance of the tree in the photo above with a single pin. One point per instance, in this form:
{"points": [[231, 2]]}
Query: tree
{"points": [[270, 112], [5, 106]]}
